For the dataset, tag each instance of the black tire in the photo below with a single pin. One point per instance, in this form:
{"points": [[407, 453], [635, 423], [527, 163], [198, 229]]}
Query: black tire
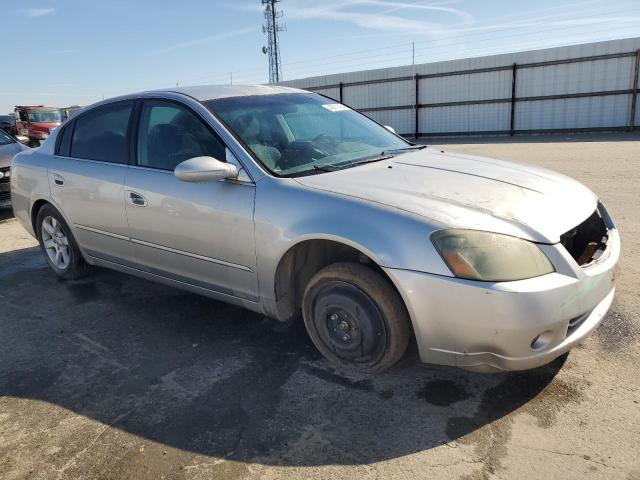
{"points": [[76, 266], [355, 318]]}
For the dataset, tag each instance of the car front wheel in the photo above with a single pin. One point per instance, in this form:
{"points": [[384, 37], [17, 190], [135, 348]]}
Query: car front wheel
{"points": [[356, 318]]}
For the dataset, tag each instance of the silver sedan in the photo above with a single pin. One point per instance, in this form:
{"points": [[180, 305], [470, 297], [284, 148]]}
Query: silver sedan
{"points": [[291, 204]]}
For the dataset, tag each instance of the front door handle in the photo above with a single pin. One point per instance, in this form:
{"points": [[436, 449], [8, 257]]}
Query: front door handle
{"points": [[58, 179], [137, 199]]}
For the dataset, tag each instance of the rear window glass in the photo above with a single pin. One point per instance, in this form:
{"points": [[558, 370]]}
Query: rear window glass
{"points": [[102, 134]]}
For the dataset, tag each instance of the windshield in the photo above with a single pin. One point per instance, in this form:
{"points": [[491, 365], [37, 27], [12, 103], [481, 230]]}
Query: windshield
{"points": [[5, 139], [297, 134], [44, 116]]}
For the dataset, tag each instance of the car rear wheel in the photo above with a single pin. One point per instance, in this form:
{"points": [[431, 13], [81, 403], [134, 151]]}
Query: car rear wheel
{"points": [[58, 245], [356, 318]]}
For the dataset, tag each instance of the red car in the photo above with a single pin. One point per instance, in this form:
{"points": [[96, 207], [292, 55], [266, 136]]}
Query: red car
{"points": [[36, 122]]}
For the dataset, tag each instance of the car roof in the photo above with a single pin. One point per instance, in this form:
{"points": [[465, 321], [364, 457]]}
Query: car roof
{"points": [[202, 93], [211, 92]]}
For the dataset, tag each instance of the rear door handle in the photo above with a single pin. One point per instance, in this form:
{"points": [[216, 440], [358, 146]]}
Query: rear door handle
{"points": [[137, 199], [58, 179]]}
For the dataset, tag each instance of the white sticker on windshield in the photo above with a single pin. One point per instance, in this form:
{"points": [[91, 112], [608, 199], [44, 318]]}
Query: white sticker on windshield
{"points": [[336, 107]]}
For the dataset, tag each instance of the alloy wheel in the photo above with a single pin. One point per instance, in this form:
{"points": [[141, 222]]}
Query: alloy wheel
{"points": [[55, 242]]}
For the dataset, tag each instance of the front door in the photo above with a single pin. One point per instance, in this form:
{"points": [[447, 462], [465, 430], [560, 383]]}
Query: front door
{"points": [[199, 233]]}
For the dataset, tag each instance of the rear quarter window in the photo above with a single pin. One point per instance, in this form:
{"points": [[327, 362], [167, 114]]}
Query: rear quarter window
{"points": [[64, 142]]}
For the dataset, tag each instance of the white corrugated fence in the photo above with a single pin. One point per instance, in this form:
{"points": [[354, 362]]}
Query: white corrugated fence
{"points": [[587, 87]]}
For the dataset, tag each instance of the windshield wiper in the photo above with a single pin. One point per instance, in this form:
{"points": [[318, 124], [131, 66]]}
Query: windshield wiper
{"points": [[404, 149], [353, 163], [362, 161], [325, 168], [377, 158]]}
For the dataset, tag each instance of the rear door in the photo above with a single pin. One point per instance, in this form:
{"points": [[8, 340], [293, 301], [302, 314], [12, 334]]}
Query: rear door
{"points": [[199, 233], [86, 177]]}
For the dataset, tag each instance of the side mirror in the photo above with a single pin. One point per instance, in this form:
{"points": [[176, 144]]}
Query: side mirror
{"points": [[204, 169], [390, 128]]}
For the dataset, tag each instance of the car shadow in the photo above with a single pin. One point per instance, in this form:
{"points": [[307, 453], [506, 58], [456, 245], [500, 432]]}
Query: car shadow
{"points": [[215, 379]]}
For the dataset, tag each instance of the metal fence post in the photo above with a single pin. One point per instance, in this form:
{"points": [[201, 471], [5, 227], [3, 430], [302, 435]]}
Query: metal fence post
{"points": [[416, 78], [340, 90], [634, 93], [512, 128]]}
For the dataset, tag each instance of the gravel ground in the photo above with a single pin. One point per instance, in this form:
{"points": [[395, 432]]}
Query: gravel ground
{"points": [[116, 377]]}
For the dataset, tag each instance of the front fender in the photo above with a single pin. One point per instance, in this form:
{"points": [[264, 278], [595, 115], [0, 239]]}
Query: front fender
{"points": [[288, 213]]}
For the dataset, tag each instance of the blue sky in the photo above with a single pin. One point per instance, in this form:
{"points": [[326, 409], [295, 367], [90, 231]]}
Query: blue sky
{"points": [[64, 52]]}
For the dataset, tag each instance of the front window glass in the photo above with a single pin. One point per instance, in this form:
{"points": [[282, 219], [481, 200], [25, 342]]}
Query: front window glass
{"points": [[5, 139], [297, 134], [170, 134], [45, 116]]}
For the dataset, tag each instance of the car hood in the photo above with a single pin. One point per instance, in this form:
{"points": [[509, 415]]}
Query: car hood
{"points": [[7, 152], [464, 191]]}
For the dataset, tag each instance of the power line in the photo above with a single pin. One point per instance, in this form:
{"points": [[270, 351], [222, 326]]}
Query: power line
{"points": [[436, 53], [323, 59], [405, 58], [439, 44], [313, 60], [402, 52]]}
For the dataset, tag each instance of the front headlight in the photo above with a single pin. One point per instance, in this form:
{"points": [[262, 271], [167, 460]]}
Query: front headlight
{"points": [[490, 257]]}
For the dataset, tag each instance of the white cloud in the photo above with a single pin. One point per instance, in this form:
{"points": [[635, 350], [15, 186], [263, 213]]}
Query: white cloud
{"points": [[204, 40], [384, 15], [394, 6], [38, 12]]}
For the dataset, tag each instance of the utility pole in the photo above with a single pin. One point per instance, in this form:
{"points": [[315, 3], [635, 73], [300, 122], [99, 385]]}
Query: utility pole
{"points": [[270, 28]]}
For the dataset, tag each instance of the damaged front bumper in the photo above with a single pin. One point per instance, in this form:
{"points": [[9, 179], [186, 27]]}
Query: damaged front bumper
{"points": [[509, 325]]}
